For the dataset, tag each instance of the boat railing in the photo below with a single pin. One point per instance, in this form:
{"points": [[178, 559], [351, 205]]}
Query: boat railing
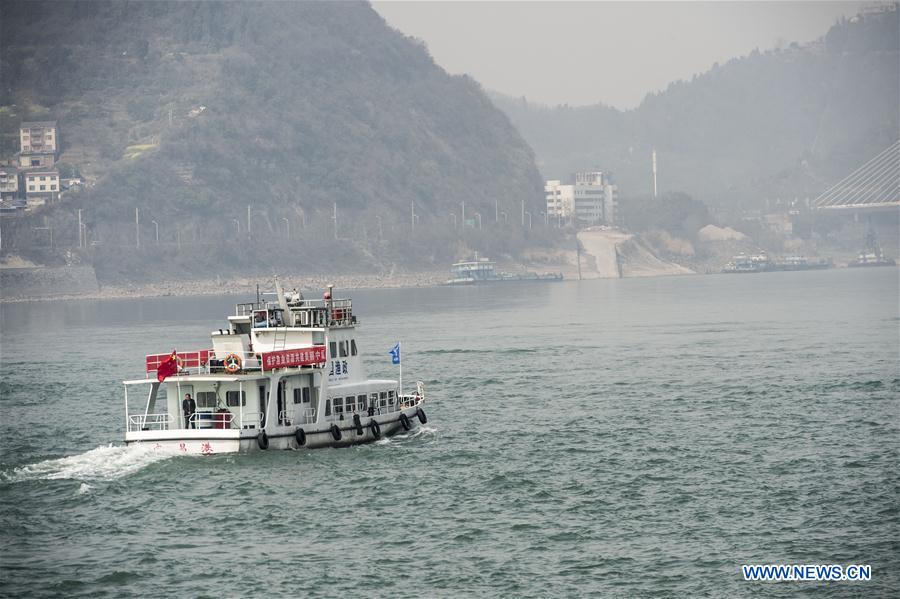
{"points": [[413, 399], [251, 419], [212, 419], [205, 361], [150, 422], [286, 417], [307, 416], [307, 313]]}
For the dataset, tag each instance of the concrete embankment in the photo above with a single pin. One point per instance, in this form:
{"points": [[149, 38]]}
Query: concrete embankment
{"points": [[614, 254], [44, 281]]}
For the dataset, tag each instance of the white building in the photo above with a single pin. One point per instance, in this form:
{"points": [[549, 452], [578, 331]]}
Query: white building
{"points": [[592, 200], [560, 199], [41, 186]]}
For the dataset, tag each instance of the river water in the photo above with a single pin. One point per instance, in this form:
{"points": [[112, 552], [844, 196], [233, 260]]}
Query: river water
{"points": [[636, 437]]}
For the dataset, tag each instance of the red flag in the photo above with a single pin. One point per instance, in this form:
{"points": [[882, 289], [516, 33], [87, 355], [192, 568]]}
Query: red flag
{"points": [[167, 368]]}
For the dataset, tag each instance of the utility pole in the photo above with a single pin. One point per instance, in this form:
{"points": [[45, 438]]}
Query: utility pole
{"points": [[578, 255], [496, 210], [237, 224], [334, 217], [156, 225], [412, 212], [137, 228], [523, 213], [80, 237], [478, 216], [453, 214], [653, 174], [248, 221], [463, 214]]}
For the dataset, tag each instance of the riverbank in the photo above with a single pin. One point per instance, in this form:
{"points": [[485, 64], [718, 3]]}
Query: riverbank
{"points": [[236, 286]]}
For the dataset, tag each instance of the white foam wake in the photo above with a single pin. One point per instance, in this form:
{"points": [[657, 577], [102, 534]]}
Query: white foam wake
{"points": [[107, 462]]}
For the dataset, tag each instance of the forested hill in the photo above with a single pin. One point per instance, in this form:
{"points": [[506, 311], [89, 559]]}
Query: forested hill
{"points": [[194, 110], [780, 123]]}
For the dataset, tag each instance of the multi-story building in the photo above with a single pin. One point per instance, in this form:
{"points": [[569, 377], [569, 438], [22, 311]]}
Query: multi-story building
{"points": [[589, 196], [41, 186], [39, 143], [9, 182], [39, 137], [592, 200], [560, 199]]}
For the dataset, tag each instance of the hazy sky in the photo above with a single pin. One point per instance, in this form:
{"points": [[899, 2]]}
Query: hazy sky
{"points": [[612, 52]]}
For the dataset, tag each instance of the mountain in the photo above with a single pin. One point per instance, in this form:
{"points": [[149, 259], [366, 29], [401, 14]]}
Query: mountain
{"points": [[207, 115], [782, 123]]}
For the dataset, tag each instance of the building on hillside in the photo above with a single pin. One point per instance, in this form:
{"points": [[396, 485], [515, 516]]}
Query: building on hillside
{"points": [[560, 200], [39, 144], [39, 136], [9, 182], [41, 186], [593, 199]]}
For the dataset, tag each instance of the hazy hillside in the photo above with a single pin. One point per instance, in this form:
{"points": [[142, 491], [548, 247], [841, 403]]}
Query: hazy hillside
{"points": [[193, 111], [781, 123]]}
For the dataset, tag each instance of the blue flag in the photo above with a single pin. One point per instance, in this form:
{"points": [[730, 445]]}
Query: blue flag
{"points": [[395, 354]]}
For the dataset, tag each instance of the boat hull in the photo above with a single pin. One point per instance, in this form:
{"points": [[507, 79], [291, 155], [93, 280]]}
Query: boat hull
{"points": [[317, 436]]}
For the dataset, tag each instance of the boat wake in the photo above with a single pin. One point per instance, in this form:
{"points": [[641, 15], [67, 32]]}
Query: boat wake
{"points": [[420, 431], [107, 462]]}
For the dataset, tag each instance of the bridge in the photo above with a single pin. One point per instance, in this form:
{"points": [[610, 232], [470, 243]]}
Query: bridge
{"points": [[872, 187]]}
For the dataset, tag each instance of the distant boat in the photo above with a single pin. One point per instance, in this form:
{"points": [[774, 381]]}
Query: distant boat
{"points": [[872, 254], [477, 271], [743, 263]]}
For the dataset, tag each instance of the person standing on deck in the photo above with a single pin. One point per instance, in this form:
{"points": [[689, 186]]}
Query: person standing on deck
{"points": [[189, 407]]}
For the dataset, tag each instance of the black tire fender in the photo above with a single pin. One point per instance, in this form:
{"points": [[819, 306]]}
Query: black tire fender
{"points": [[336, 432], [404, 421], [375, 428], [262, 439], [420, 414], [300, 436]]}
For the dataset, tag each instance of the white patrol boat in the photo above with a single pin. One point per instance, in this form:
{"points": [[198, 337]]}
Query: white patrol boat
{"points": [[284, 375]]}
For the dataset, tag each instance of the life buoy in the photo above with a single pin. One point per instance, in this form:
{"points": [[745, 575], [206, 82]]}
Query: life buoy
{"points": [[420, 413], [404, 421], [232, 363], [336, 432], [357, 424], [375, 428], [300, 436], [262, 439]]}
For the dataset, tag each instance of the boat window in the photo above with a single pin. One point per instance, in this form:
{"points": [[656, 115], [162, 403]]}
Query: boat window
{"points": [[391, 396], [383, 401], [338, 405], [343, 348], [351, 404], [232, 398], [206, 399], [332, 349], [305, 394], [328, 407], [353, 347], [361, 402], [298, 396]]}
